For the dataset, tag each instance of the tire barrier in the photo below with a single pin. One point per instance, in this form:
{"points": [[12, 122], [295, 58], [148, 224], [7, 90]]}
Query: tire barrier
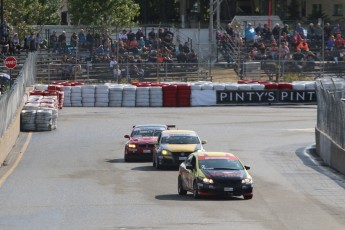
{"points": [[169, 95], [177, 94], [40, 111]]}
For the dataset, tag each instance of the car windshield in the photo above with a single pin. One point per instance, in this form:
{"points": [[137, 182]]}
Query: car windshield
{"points": [[147, 132], [220, 164], [175, 139]]}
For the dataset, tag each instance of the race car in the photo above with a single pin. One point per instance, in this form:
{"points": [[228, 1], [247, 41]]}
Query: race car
{"points": [[205, 173], [174, 146], [141, 141]]}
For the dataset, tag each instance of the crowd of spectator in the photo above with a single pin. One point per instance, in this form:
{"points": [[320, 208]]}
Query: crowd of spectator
{"points": [[139, 49], [298, 45]]}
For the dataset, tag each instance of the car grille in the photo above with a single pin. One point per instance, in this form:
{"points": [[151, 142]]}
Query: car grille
{"points": [[146, 145], [232, 183], [176, 155]]}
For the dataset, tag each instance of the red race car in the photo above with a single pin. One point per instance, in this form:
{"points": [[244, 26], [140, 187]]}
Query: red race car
{"points": [[142, 140]]}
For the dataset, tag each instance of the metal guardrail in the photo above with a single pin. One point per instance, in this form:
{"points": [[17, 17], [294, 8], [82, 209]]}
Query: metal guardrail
{"points": [[11, 100]]}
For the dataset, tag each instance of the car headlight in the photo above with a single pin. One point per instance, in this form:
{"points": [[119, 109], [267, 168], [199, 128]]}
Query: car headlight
{"points": [[247, 181], [132, 146], [165, 152], [207, 181]]}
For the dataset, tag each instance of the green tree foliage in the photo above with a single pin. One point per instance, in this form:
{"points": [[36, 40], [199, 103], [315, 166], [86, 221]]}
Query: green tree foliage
{"points": [[101, 13], [21, 14]]}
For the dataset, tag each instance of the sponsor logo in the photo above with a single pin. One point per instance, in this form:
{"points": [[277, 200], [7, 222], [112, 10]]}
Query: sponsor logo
{"points": [[267, 96]]}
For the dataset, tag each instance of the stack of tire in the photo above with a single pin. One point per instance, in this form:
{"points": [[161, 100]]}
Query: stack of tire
{"points": [[115, 95], [102, 96], [156, 96], [88, 95], [142, 96], [183, 95], [169, 95], [76, 96], [67, 96], [129, 96]]}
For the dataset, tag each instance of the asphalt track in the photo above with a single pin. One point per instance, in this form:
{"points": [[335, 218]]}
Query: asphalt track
{"points": [[75, 177]]}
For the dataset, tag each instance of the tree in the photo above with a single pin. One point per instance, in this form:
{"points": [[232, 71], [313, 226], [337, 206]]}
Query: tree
{"points": [[100, 13], [21, 14]]}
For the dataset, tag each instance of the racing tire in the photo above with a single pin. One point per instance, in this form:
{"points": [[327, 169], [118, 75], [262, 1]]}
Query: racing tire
{"points": [[126, 158], [158, 166], [248, 197], [180, 188], [196, 194], [154, 161]]}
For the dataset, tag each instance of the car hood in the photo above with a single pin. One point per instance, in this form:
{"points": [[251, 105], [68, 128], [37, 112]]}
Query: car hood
{"points": [[224, 174], [181, 148], [149, 140]]}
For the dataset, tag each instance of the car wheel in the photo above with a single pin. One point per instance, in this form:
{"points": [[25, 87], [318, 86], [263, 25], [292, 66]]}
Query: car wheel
{"points": [[158, 166], [180, 189], [248, 197], [196, 194], [126, 158], [154, 161]]}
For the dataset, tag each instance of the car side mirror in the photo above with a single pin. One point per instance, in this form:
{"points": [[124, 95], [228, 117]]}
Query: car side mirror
{"points": [[189, 167], [203, 142], [247, 167], [127, 136]]}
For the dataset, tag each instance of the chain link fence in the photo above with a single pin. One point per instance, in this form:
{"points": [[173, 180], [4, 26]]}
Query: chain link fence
{"points": [[11, 100]]}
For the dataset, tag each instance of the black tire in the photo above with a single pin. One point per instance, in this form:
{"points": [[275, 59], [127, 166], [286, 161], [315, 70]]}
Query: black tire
{"points": [[180, 188], [196, 194], [158, 166], [126, 158], [154, 161], [248, 197]]}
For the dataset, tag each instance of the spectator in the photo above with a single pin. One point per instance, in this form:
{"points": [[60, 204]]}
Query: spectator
{"points": [[152, 35], [298, 58], [133, 46], [90, 41], [32, 43], [107, 46], [283, 50], [249, 33], [286, 29], [192, 57], [123, 35], [229, 30], [141, 43], [74, 39], [300, 30], [318, 31], [296, 39], [62, 42], [130, 35], [81, 38], [16, 43], [331, 43], [311, 31], [167, 32], [139, 34], [259, 29], [303, 46], [336, 29], [185, 48], [53, 41], [327, 30], [266, 32], [339, 41], [276, 31]]}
